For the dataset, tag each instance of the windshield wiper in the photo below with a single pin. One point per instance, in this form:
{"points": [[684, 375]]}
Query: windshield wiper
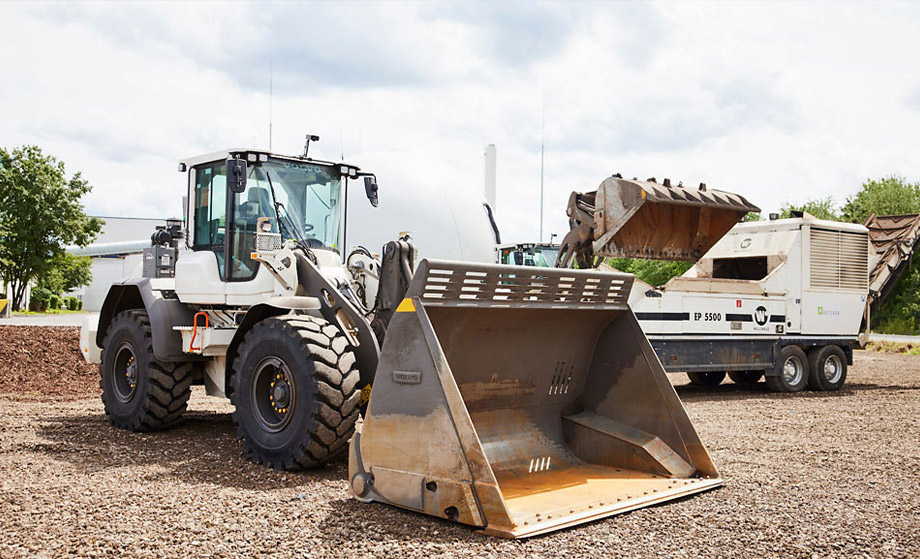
{"points": [[298, 234]]}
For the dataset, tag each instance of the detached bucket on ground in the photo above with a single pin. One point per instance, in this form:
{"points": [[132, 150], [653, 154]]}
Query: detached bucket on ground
{"points": [[522, 400]]}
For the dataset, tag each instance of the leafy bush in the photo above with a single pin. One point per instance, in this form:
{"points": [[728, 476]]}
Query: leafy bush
{"points": [[72, 303], [653, 272], [900, 313], [54, 302], [40, 299], [822, 208]]}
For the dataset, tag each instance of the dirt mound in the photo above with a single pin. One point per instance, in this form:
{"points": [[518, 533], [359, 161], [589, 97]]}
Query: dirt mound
{"points": [[44, 363]]}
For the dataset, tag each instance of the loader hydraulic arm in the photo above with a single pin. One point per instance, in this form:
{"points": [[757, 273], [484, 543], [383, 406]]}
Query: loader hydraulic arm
{"points": [[396, 274], [578, 244]]}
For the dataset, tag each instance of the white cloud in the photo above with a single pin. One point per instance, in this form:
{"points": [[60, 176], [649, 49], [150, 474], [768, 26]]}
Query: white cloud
{"points": [[779, 102]]}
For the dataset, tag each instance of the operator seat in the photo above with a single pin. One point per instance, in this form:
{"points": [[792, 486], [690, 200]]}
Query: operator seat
{"points": [[258, 204]]}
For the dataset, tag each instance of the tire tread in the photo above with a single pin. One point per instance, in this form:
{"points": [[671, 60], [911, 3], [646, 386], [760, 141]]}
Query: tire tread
{"points": [[169, 384], [334, 377]]}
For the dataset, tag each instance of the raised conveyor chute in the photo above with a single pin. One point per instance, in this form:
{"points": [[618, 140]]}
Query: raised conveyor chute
{"points": [[894, 239]]}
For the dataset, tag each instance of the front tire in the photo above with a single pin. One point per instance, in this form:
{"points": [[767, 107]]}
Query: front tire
{"points": [[140, 393], [793, 375], [294, 386], [828, 367]]}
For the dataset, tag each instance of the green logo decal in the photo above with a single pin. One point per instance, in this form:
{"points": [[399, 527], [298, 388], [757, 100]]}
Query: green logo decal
{"points": [[820, 310]]}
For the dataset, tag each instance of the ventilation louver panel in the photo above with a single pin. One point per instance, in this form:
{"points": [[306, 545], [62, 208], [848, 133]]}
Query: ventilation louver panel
{"points": [[839, 259]]}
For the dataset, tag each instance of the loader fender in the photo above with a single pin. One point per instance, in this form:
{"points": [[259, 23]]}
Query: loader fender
{"points": [[163, 314], [257, 313]]}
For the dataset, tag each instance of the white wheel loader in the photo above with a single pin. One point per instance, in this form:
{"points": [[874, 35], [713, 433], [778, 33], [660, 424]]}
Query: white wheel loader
{"points": [[514, 399]]}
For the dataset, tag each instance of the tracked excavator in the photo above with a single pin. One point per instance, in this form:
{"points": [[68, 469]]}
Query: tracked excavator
{"points": [[513, 399]]}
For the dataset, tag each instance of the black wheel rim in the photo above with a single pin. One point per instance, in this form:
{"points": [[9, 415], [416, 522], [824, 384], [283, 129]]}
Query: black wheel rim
{"points": [[273, 394], [125, 373]]}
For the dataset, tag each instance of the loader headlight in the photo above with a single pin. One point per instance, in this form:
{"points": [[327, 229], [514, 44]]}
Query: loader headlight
{"points": [[266, 226]]}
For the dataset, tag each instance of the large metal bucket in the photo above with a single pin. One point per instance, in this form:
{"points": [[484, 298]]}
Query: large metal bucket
{"points": [[522, 400], [642, 219]]}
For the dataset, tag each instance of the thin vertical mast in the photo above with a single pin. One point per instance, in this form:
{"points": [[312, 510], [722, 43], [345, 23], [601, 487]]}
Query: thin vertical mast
{"points": [[271, 72], [542, 138]]}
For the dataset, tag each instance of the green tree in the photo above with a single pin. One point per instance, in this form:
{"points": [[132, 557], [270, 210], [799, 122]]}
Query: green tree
{"points": [[900, 313], [40, 213], [822, 208], [653, 272], [67, 272], [892, 195]]}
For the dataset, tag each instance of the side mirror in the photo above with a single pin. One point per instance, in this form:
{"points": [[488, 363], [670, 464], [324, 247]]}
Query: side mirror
{"points": [[236, 175], [370, 188]]}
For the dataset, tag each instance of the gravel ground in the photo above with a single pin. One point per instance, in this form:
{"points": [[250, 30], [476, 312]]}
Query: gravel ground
{"points": [[808, 475]]}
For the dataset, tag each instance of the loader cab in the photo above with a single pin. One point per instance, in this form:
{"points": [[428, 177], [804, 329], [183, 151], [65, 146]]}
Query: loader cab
{"points": [[303, 200]]}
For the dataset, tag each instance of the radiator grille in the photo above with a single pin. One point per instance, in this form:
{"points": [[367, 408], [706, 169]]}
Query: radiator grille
{"points": [[839, 259]]}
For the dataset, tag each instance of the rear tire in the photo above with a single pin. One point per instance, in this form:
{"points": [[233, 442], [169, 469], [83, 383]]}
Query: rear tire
{"points": [[828, 366], [745, 377], [712, 378], [294, 386], [140, 393], [793, 375]]}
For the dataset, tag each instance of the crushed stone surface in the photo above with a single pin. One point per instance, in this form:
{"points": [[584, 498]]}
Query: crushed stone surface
{"points": [[809, 475]]}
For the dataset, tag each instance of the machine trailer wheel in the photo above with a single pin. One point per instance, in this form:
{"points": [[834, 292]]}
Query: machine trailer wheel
{"points": [[745, 377], [793, 376], [140, 393], [294, 386], [712, 378], [828, 367]]}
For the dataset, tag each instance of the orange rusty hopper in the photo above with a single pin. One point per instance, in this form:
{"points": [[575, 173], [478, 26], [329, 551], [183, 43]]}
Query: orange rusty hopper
{"points": [[522, 400]]}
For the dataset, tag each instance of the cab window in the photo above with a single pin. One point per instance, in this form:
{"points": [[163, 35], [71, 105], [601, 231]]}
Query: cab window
{"points": [[248, 206], [211, 211]]}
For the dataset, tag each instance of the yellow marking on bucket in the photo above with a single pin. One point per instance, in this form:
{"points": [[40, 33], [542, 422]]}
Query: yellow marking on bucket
{"points": [[365, 395], [406, 306]]}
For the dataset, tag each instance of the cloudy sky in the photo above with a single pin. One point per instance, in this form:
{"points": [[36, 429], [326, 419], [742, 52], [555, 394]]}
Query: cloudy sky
{"points": [[776, 101]]}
